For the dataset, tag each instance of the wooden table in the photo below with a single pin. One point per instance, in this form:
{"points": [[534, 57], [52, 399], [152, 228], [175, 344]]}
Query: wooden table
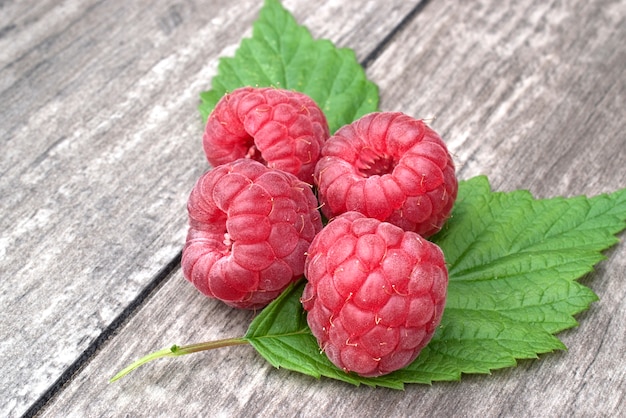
{"points": [[101, 143]]}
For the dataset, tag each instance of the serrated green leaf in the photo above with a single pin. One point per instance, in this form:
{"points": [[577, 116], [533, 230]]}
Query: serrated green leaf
{"points": [[510, 253], [283, 54], [513, 263]]}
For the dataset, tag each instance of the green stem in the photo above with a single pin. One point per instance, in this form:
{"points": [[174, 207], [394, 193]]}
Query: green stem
{"points": [[175, 351]]}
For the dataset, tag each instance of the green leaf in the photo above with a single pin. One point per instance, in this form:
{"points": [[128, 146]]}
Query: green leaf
{"points": [[513, 263], [283, 54]]}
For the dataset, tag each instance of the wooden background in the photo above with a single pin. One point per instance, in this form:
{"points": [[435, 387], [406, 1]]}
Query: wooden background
{"points": [[101, 144]]}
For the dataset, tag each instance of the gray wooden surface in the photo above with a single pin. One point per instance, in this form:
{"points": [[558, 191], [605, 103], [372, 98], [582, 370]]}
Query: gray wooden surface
{"points": [[101, 143]]}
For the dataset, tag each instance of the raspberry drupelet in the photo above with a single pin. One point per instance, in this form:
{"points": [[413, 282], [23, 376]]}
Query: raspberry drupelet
{"points": [[391, 167], [249, 229], [375, 293], [280, 128]]}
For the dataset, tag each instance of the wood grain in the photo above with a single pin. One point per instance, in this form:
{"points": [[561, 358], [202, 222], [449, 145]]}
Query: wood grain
{"points": [[101, 145], [100, 150], [530, 94]]}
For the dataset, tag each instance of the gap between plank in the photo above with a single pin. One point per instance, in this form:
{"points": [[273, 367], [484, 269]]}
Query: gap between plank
{"points": [[174, 264], [382, 45], [104, 336]]}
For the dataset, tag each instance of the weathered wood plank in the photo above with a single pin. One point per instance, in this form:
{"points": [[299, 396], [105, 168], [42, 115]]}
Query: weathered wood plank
{"points": [[100, 146], [531, 94]]}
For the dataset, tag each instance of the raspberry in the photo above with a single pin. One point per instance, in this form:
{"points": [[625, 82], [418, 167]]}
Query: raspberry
{"points": [[375, 293], [249, 229], [282, 129], [391, 167]]}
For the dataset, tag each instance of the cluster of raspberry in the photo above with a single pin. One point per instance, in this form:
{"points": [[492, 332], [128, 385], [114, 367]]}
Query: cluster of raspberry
{"points": [[376, 287]]}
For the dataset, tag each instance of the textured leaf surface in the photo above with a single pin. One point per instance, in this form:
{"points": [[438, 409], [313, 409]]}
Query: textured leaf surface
{"points": [[513, 263], [283, 54]]}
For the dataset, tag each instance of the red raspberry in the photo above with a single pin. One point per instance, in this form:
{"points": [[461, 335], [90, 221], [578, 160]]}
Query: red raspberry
{"points": [[250, 228], [282, 129], [391, 167], [375, 293]]}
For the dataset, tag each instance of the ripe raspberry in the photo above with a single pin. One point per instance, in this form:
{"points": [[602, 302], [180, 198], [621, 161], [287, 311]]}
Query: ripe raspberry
{"points": [[375, 293], [391, 167], [282, 129], [250, 228]]}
